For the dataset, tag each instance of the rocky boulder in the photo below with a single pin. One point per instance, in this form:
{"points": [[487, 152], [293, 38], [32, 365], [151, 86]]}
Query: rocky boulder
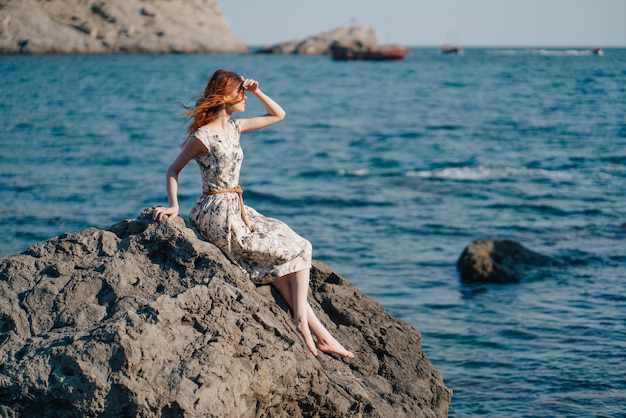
{"points": [[499, 261], [147, 320], [115, 26], [356, 36]]}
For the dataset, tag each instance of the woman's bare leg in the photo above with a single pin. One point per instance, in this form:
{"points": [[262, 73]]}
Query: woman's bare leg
{"points": [[325, 341], [294, 289]]}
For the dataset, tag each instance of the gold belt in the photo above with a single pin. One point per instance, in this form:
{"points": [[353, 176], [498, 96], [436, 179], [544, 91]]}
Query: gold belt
{"points": [[239, 191]]}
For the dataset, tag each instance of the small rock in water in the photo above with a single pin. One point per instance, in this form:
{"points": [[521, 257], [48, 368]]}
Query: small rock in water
{"points": [[498, 261]]}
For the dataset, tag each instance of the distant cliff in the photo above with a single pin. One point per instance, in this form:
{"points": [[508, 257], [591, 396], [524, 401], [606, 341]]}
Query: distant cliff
{"points": [[115, 26]]}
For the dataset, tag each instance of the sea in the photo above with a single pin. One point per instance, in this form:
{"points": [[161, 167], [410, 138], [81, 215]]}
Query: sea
{"points": [[390, 169]]}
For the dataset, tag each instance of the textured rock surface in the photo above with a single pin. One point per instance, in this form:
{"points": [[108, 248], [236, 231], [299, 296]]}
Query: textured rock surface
{"points": [[357, 36], [499, 261], [115, 26], [147, 320]]}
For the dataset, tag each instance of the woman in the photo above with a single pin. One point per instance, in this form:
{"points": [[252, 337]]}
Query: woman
{"points": [[266, 248]]}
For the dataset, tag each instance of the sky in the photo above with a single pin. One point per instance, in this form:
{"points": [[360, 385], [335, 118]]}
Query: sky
{"points": [[515, 23]]}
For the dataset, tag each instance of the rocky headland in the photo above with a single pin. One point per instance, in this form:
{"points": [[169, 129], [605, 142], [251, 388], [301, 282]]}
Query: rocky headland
{"points": [[356, 36], [115, 26], [147, 320]]}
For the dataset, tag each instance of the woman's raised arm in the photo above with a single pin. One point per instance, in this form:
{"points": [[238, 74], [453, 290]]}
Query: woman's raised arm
{"points": [[275, 113]]}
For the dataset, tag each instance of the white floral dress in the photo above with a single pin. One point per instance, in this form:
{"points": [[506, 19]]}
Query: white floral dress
{"points": [[269, 249]]}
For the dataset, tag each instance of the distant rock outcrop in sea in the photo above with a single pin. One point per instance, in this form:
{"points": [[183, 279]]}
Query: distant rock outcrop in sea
{"points": [[147, 320], [115, 26], [356, 36]]}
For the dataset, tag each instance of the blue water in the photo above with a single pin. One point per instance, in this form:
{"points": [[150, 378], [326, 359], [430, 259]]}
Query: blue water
{"points": [[390, 169]]}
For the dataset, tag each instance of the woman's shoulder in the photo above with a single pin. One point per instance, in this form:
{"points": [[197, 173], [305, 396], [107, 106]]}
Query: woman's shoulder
{"points": [[203, 134], [202, 129]]}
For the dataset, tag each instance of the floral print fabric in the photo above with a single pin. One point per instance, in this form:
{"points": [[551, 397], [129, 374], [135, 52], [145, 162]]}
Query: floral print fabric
{"points": [[271, 249]]}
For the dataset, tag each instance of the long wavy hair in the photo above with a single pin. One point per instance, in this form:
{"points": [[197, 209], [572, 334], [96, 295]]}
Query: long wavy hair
{"points": [[214, 98]]}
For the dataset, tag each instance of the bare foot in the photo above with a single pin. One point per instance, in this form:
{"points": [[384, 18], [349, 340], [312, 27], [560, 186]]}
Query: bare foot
{"points": [[333, 346], [303, 328]]}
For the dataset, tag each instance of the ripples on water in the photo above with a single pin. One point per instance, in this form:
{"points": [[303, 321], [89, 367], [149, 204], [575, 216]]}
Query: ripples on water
{"points": [[390, 169]]}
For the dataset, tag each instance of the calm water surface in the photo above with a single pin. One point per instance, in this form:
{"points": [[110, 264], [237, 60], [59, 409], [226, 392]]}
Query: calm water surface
{"points": [[390, 169]]}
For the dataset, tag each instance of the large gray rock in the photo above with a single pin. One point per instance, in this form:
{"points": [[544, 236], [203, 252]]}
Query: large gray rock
{"points": [[147, 320], [356, 36], [500, 261], [115, 26]]}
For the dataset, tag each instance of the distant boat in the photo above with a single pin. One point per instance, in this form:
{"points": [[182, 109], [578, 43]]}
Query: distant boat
{"points": [[384, 53], [597, 51], [451, 49]]}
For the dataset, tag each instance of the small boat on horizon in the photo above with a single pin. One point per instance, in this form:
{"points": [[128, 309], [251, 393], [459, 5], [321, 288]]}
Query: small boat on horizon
{"points": [[451, 49], [383, 53]]}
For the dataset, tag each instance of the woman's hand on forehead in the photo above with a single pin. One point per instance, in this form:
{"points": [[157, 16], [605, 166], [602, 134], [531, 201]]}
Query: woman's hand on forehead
{"points": [[250, 85]]}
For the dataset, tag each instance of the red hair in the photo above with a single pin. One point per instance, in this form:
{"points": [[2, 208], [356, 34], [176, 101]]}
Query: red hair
{"points": [[215, 97]]}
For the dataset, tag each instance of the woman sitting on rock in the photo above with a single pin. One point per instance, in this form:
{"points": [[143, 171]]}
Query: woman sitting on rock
{"points": [[267, 249]]}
